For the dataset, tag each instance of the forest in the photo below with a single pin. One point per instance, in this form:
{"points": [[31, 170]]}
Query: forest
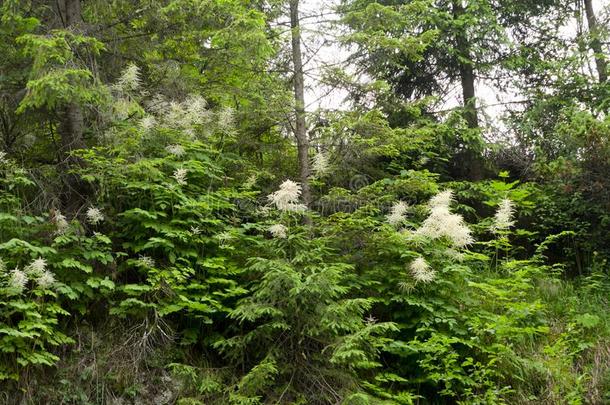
{"points": [[241, 202]]}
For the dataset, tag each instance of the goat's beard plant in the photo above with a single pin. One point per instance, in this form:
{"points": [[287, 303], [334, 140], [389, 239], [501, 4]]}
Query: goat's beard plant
{"points": [[434, 281], [462, 317]]}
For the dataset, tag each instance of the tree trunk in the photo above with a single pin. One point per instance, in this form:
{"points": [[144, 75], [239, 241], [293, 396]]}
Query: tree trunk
{"points": [[471, 161], [467, 75], [300, 130], [596, 45], [71, 126]]}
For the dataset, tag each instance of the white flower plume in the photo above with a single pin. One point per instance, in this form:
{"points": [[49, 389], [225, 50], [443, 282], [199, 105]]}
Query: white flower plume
{"points": [[18, 279], [278, 231], [442, 199], [180, 176], [176, 150], [37, 267], [130, 78], [60, 221], [226, 119], [442, 223], [45, 280], [504, 216], [176, 115], [196, 111], [421, 271], [94, 215], [148, 122], [146, 261], [124, 107], [287, 197], [397, 213], [320, 164]]}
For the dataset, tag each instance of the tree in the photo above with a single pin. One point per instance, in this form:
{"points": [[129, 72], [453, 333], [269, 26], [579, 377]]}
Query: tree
{"points": [[421, 49], [300, 129], [66, 66], [465, 66], [596, 45]]}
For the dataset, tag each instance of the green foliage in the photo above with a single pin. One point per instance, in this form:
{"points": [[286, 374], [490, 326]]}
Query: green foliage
{"points": [[56, 77], [299, 322], [162, 264]]}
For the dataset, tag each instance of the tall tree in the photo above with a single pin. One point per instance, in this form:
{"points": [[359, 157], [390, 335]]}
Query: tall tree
{"points": [[300, 129], [72, 122], [422, 48], [465, 66], [595, 44]]}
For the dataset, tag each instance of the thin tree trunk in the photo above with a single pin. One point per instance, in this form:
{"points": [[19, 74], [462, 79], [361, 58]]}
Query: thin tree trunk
{"points": [[596, 45], [467, 75], [472, 159], [300, 130], [71, 126]]}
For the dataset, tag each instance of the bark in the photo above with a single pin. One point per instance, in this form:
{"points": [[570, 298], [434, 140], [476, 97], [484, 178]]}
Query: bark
{"points": [[71, 126], [596, 45], [472, 166], [467, 76], [300, 130]]}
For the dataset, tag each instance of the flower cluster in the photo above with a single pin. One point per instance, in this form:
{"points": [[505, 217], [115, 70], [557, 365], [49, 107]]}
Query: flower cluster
{"points": [[287, 197], [176, 115], [443, 224], [94, 215], [36, 270], [158, 105], [46, 280], [148, 122], [442, 199], [184, 115], [320, 165], [397, 213], [176, 150], [60, 222], [37, 267], [454, 255], [180, 176], [124, 107], [191, 111], [196, 109], [146, 261], [130, 78], [226, 119], [18, 280], [504, 216], [278, 231], [421, 271]]}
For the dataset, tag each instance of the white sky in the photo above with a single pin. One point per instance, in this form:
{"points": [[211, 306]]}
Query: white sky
{"points": [[315, 14]]}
